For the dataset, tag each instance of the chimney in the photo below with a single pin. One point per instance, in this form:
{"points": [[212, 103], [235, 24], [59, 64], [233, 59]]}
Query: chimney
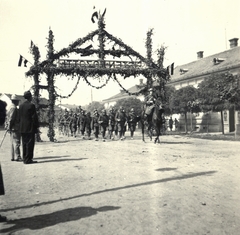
{"points": [[140, 81], [233, 42], [200, 54]]}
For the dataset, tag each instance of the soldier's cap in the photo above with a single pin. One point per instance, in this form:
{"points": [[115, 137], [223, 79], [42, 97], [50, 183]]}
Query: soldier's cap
{"points": [[27, 94], [95, 111], [14, 97]]}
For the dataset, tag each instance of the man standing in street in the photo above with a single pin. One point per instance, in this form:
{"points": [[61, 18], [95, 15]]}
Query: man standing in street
{"points": [[28, 127], [13, 128]]}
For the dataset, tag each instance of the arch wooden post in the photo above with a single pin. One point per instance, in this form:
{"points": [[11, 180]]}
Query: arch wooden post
{"points": [[51, 89], [36, 56]]}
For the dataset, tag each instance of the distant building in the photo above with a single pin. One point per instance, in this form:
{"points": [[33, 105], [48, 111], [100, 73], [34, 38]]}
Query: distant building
{"points": [[123, 95], [68, 107], [195, 72]]}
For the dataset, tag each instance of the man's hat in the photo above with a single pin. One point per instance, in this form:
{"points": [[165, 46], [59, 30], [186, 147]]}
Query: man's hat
{"points": [[14, 97], [27, 94]]}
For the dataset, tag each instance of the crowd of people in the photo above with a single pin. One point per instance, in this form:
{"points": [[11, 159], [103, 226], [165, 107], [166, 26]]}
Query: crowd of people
{"points": [[111, 125]]}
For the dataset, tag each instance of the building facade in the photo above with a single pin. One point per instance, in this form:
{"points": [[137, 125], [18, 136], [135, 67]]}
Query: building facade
{"points": [[193, 73]]}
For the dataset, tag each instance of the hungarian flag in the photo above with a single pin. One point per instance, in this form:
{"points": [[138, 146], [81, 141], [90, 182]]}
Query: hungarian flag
{"points": [[21, 60], [172, 68]]}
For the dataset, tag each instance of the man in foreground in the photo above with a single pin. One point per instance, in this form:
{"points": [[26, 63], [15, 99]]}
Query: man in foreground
{"points": [[28, 127]]}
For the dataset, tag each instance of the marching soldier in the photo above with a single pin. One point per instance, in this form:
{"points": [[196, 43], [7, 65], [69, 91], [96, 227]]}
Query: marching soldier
{"points": [[82, 121], [73, 124], [132, 122], [111, 123], [95, 124], [103, 121], [121, 120], [88, 121]]}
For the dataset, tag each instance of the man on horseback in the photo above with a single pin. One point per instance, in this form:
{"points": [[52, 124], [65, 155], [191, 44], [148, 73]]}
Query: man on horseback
{"points": [[150, 101]]}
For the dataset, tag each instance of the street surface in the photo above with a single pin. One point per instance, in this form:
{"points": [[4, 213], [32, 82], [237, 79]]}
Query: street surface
{"points": [[182, 186]]}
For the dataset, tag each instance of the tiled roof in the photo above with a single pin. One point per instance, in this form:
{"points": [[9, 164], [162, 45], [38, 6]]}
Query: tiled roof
{"points": [[122, 94], [205, 66], [69, 106]]}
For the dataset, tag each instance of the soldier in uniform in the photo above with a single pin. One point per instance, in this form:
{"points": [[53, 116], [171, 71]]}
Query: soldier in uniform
{"points": [[150, 104], [121, 120], [88, 124], [132, 122], [82, 121], [66, 120], [103, 121], [111, 123], [95, 124], [73, 125]]}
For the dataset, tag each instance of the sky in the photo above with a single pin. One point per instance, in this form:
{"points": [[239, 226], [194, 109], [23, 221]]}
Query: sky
{"points": [[183, 27]]}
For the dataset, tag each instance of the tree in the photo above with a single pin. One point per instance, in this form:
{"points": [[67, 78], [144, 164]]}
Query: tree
{"points": [[129, 103], [219, 92], [95, 105], [183, 101], [166, 99]]}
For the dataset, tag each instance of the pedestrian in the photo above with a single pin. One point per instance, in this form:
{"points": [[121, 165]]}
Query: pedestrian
{"points": [[170, 123], [132, 122], [103, 121], [95, 124], [13, 129], [28, 127], [121, 120], [2, 120]]}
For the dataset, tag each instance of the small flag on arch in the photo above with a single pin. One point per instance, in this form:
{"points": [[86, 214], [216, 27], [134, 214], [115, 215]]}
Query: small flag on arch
{"points": [[21, 60], [170, 69], [25, 63]]}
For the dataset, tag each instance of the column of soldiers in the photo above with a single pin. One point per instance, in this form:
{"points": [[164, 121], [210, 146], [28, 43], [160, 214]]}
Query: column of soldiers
{"points": [[111, 125]]}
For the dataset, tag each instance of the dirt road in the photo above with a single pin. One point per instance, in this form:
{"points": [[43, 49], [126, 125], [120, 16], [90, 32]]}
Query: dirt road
{"points": [[181, 186]]}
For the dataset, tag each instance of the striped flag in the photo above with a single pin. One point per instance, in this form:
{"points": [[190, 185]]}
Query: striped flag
{"points": [[22, 59]]}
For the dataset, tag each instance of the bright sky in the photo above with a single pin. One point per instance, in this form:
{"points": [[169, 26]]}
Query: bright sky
{"points": [[184, 27]]}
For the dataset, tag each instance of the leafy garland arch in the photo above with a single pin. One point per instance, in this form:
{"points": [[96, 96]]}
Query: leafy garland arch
{"points": [[54, 65]]}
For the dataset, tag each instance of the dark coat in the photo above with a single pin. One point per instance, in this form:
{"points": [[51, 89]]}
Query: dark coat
{"points": [[28, 118]]}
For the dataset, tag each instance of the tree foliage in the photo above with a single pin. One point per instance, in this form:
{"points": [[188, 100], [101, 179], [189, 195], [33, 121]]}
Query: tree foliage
{"points": [[219, 91], [166, 99], [129, 103], [183, 100], [95, 105]]}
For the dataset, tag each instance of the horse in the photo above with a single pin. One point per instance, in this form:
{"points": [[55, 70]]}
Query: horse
{"points": [[153, 122]]}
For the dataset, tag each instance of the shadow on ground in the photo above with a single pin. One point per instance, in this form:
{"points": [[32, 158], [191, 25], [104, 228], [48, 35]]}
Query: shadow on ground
{"points": [[51, 219], [182, 177]]}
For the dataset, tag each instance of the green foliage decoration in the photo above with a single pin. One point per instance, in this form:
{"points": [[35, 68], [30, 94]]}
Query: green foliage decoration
{"points": [[153, 71]]}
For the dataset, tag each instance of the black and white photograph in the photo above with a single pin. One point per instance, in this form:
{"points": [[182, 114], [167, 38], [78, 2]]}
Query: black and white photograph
{"points": [[119, 117]]}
